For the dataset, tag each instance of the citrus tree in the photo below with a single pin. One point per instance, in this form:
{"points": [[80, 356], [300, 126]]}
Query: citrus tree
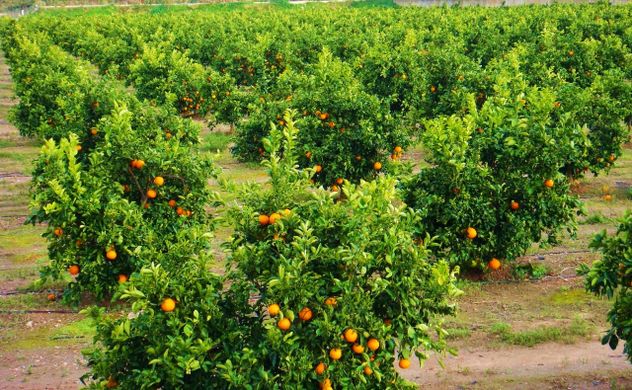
{"points": [[345, 132], [118, 205], [343, 290], [493, 185], [612, 277]]}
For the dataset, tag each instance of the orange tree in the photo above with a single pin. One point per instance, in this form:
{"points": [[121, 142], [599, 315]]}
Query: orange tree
{"points": [[127, 199], [344, 130], [612, 277], [342, 289], [494, 185], [318, 289]]}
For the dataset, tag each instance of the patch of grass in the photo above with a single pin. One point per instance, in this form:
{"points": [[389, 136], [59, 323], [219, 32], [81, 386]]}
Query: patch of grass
{"points": [[530, 271], [374, 4], [23, 302], [216, 142], [18, 274], [458, 333], [595, 218], [578, 328]]}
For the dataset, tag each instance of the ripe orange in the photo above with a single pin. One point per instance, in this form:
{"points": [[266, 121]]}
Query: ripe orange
{"points": [[571, 53], [612, 158], [168, 135], [51, 297], [274, 217], [151, 193], [377, 165], [326, 385], [331, 301], [168, 305], [58, 232], [287, 212], [373, 344], [308, 154], [331, 124], [78, 147], [264, 220], [368, 370], [111, 254], [494, 264], [159, 180], [318, 168], [357, 348], [284, 323], [122, 278], [180, 211], [172, 203], [433, 89], [404, 363], [335, 353], [514, 205], [340, 180], [320, 368], [112, 383], [324, 116], [305, 314], [350, 335], [139, 164], [607, 197], [557, 104], [549, 183], [471, 233], [398, 149], [93, 131], [74, 270], [334, 188], [274, 310]]}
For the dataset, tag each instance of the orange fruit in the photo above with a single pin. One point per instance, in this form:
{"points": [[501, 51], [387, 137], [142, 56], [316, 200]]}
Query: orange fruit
{"points": [[168, 305], [373, 344], [404, 363], [326, 385], [93, 131], [557, 104], [151, 193], [320, 368], [111, 254], [549, 183], [335, 353], [367, 370], [287, 212], [139, 164], [612, 158], [324, 116], [284, 323], [180, 211], [470, 232], [122, 278], [571, 53], [494, 264], [51, 297], [274, 217], [607, 197], [308, 154], [334, 188], [159, 180], [357, 348], [377, 165], [398, 149], [78, 147], [172, 203], [340, 180], [331, 124], [274, 309], [331, 301], [433, 89], [350, 335], [58, 232], [74, 270], [264, 220], [112, 383], [514, 205], [168, 135], [305, 314], [318, 168]]}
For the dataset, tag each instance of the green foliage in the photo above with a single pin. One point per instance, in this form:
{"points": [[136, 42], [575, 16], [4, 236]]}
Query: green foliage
{"points": [[612, 277], [356, 249]]}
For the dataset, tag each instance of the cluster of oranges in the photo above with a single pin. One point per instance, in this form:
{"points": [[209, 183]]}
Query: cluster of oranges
{"points": [[265, 220], [397, 153], [349, 335], [189, 105], [471, 233]]}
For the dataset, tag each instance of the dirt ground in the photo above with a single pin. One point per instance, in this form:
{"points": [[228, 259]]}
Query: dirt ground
{"points": [[510, 334]]}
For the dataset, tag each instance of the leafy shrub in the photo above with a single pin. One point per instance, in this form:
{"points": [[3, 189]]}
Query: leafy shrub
{"points": [[612, 277]]}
